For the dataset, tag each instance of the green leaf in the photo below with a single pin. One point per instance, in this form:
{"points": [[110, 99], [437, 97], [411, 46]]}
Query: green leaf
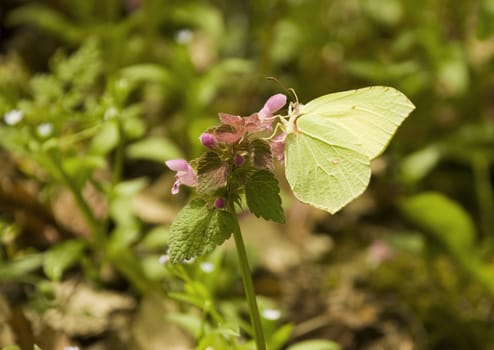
{"points": [[443, 218], [191, 323], [198, 229], [11, 347], [61, 257], [315, 344], [106, 139], [154, 148], [211, 173], [147, 73], [262, 193], [18, 269], [280, 336], [418, 164], [47, 19]]}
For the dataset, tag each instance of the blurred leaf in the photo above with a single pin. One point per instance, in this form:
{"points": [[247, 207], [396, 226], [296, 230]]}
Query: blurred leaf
{"points": [[192, 323], [147, 73], [157, 238], [200, 15], [156, 149], [453, 73], [214, 340], [130, 187], [408, 241], [81, 68], [388, 12], [417, 165], [381, 71], [280, 336], [315, 344], [106, 139], [486, 18], [132, 126], [153, 268], [443, 218], [48, 20], [61, 257], [17, 269]]}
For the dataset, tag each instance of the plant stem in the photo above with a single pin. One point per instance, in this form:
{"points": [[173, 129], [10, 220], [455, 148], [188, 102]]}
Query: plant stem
{"points": [[248, 283], [94, 226], [485, 193]]}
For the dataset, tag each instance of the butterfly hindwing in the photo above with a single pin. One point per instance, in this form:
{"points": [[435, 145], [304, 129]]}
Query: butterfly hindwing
{"points": [[323, 175]]}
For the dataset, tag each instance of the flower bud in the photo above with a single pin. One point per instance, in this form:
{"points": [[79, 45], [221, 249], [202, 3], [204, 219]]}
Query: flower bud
{"points": [[207, 140], [275, 102], [219, 203], [239, 160]]}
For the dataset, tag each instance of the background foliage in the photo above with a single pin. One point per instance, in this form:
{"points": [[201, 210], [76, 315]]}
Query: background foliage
{"points": [[108, 90]]}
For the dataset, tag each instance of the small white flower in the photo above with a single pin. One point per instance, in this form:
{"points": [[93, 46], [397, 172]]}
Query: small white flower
{"points": [[45, 129], [271, 314], [70, 348], [207, 267], [13, 117], [184, 36], [164, 259]]}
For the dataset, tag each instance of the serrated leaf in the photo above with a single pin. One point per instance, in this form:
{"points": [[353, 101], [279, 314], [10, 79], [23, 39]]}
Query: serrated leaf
{"points": [[211, 173], [261, 154], [262, 193], [198, 229]]}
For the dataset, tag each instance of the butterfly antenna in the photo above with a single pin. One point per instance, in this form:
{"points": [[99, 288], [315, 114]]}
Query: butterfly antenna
{"points": [[289, 90], [292, 90]]}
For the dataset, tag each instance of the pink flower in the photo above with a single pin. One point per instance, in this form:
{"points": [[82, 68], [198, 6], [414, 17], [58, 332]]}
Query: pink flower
{"points": [[207, 139], [239, 159], [272, 105], [234, 127], [278, 147], [185, 174]]}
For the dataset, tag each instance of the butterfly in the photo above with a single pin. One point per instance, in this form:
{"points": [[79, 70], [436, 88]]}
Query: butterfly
{"points": [[331, 140]]}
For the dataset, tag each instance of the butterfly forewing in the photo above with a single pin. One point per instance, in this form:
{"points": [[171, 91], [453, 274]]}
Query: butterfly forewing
{"points": [[371, 114]]}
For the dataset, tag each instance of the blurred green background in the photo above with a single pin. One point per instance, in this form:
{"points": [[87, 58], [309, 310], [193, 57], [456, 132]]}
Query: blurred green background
{"points": [[106, 91]]}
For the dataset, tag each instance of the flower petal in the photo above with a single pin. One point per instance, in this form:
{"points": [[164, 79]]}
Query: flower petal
{"points": [[177, 164]]}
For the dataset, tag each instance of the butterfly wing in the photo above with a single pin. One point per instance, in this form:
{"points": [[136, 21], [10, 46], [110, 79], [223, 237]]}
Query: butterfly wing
{"points": [[325, 175], [328, 154], [371, 115]]}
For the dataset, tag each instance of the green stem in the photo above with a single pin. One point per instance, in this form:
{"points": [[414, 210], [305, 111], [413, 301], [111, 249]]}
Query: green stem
{"points": [[97, 237], [485, 193], [248, 284]]}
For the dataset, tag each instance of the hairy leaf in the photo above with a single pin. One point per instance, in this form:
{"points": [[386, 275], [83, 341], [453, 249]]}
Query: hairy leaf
{"points": [[263, 196], [198, 229]]}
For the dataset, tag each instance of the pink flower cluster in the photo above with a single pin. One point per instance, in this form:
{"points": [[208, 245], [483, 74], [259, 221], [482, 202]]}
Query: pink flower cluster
{"points": [[233, 129]]}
